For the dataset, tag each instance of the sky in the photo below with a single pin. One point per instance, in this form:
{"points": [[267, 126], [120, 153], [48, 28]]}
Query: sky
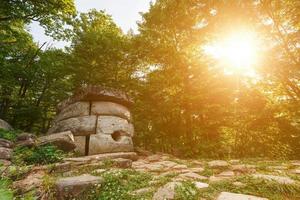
{"points": [[125, 13]]}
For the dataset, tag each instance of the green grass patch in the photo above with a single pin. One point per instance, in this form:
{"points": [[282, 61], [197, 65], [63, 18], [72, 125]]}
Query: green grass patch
{"points": [[187, 191], [5, 192], [10, 135], [46, 154], [258, 187], [120, 184]]}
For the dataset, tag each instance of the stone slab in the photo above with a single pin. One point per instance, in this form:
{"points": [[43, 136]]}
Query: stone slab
{"points": [[74, 110], [100, 157], [111, 109], [111, 124], [235, 196], [71, 187], [100, 143], [79, 126]]}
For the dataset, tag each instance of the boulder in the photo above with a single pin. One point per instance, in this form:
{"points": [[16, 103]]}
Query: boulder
{"points": [[6, 143], [26, 143], [4, 125], [78, 109], [79, 126], [218, 164], [71, 187], [235, 196], [110, 109], [26, 136], [5, 153], [167, 191], [63, 140]]}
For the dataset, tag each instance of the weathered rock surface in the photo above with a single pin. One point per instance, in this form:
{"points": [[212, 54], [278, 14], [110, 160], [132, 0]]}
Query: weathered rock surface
{"points": [[74, 110], [79, 126], [278, 179], [296, 171], [68, 188], [4, 162], [110, 109], [104, 156], [218, 164], [29, 142], [110, 124], [32, 182], [167, 191], [192, 176], [63, 140], [94, 93], [243, 168], [5, 153], [235, 196], [101, 143], [214, 179], [5, 143], [200, 185], [4, 125], [226, 174], [26, 136]]}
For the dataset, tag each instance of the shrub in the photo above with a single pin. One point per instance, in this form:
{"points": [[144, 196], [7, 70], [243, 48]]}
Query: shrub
{"points": [[46, 154], [9, 134]]}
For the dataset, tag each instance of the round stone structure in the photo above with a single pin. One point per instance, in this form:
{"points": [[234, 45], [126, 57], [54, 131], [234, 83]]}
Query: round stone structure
{"points": [[99, 119]]}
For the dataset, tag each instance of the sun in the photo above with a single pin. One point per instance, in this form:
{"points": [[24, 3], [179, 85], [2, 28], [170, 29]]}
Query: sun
{"points": [[236, 52]]}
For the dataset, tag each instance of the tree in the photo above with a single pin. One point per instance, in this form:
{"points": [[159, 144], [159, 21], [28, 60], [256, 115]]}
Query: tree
{"points": [[52, 15], [100, 52]]}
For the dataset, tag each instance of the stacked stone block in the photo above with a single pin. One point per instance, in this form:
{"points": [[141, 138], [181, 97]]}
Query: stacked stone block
{"points": [[99, 119]]}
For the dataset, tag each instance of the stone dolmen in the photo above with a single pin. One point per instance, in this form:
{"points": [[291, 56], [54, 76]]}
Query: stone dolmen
{"points": [[99, 119]]}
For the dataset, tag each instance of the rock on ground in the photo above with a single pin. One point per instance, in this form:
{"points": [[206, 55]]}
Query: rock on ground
{"points": [[70, 187], [4, 125], [32, 182], [218, 164], [5, 153], [192, 176], [278, 179], [166, 192], [200, 185], [104, 156], [226, 174], [5, 143], [235, 196], [63, 140]]}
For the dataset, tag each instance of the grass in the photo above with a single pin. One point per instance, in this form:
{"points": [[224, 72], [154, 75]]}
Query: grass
{"points": [[119, 184], [5, 192], [258, 187]]}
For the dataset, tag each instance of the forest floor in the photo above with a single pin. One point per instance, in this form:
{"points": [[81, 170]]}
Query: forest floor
{"points": [[156, 176]]}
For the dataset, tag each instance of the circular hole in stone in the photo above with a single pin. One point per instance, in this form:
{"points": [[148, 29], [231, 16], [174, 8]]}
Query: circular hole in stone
{"points": [[116, 136]]}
